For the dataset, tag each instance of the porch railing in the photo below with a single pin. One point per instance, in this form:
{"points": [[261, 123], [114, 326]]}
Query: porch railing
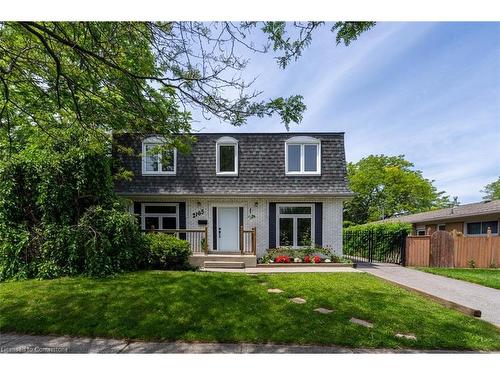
{"points": [[198, 238], [248, 241]]}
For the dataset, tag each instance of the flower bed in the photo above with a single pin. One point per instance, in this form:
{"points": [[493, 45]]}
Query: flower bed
{"points": [[309, 256]]}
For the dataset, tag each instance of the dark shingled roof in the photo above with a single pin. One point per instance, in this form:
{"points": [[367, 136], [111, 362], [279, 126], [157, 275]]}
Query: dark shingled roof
{"points": [[261, 168], [465, 210]]}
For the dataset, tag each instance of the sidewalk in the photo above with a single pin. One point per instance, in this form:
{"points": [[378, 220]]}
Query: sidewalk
{"points": [[17, 343], [474, 296]]}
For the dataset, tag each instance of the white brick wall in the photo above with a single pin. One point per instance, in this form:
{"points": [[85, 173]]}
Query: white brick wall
{"points": [[256, 213]]}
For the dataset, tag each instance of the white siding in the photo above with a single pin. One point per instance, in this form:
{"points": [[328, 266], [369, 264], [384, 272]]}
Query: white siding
{"points": [[256, 214]]}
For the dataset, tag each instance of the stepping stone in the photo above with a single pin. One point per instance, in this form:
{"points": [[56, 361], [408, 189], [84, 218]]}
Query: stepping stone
{"points": [[274, 291], [298, 300], [409, 336], [263, 283], [361, 322], [322, 310]]}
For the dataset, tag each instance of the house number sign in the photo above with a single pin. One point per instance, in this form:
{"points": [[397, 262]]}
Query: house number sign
{"points": [[198, 213]]}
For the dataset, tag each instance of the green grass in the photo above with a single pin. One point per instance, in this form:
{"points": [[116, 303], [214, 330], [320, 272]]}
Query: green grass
{"points": [[483, 276], [223, 307]]}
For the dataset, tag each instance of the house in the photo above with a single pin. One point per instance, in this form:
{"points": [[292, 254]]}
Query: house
{"points": [[470, 219], [236, 195]]}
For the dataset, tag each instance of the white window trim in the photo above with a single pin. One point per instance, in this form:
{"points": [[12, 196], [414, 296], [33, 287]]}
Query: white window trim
{"points": [[421, 228], [226, 141], [159, 216], [302, 141], [481, 234], [156, 141], [307, 216]]}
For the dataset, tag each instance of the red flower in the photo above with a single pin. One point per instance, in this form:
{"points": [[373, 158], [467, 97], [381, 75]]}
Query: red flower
{"points": [[317, 259], [282, 259], [307, 259]]}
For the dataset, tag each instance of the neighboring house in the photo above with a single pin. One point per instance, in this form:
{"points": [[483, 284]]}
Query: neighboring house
{"points": [[470, 219], [248, 192]]}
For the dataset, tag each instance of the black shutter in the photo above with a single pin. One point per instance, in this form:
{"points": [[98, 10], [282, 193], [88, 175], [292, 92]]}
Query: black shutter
{"points": [[182, 219], [214, 227], [272, 225], [318, 224]]}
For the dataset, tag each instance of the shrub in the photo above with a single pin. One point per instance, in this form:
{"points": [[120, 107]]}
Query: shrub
{"points": [[109, 241], [166, 251]]}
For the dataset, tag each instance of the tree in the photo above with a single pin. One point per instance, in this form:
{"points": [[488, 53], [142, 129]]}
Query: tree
{"points": [[492, 190], [386, 186], [141, 77]]}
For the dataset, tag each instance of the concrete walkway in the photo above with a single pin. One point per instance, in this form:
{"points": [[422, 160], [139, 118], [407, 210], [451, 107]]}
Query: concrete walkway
{"points": [[16, 343], [474, 296]]}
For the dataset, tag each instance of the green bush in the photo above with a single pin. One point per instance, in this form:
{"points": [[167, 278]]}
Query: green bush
{"points": [[60, 217], [382, 237], [166, 251], [109, 241]]}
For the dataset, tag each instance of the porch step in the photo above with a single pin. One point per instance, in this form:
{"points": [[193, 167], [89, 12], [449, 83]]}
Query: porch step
{"points": [[223, 264]]}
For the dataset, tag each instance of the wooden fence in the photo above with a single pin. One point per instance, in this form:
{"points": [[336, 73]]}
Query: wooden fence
{"points": [[445, 249]]}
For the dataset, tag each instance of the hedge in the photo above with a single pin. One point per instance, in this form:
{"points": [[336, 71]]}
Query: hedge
{"points": [[383, 238]]}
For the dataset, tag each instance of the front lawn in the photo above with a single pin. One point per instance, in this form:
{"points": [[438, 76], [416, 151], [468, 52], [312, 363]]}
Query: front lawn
{"points": [[484, 276], [223, 307]]}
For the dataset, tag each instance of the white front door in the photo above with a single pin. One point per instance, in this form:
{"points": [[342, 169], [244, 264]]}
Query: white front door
{"points": [[227, 229]]}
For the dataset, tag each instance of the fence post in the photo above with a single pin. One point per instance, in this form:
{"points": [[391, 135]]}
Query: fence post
{"points": [[403, 247], [254, 240], [242, 244], [205, 245]]}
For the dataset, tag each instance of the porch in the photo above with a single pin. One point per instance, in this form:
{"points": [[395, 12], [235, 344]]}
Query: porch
{"points": [[204, 256]]}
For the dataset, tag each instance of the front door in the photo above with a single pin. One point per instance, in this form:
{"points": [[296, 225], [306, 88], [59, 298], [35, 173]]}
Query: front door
{"points": [[228, 229]]}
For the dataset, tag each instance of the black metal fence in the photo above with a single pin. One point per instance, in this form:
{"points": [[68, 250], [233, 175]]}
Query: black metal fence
{"points": [[371, 245]]}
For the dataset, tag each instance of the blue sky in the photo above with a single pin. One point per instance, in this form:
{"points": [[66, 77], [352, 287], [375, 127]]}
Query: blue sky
{"points": [[430, 91]]}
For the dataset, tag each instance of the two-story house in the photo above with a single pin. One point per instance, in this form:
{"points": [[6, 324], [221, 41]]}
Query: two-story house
{"points": [[236, 195]]}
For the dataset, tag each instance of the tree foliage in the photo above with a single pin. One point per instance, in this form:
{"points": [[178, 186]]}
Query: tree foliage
{"points": [[142, 77], [492, 190], [386, 186]]}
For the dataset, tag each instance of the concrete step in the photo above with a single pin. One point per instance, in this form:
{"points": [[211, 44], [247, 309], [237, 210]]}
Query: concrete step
{"points": [[223, 264]]}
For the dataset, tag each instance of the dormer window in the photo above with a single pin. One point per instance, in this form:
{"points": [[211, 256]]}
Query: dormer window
{"points": [[155, 161], [226, 156], [303, 156]]}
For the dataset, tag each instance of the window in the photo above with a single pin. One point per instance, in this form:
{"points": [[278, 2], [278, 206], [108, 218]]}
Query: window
{"points": [[441, 227], [159, 216], [227, 156], [303, 156], [155, 162], [481, 227], [421, 231], [294, 225]]}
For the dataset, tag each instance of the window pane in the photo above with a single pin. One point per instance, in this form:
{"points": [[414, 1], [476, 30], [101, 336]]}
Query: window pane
{"points": [[293, 158], [295, 210], [169, 223], [490, 224], [226, 158], [151, 163], [160, 209], [303, 232], [473, 228], [286, 232], [151, 223], [167, 161], [310, 158]]}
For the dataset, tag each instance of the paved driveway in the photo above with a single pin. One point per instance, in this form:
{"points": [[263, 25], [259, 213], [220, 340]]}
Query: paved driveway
{"points": [[461, 292]]}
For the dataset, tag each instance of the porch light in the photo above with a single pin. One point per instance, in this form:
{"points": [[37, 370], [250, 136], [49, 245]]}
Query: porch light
{"points": [[256, 204]]}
